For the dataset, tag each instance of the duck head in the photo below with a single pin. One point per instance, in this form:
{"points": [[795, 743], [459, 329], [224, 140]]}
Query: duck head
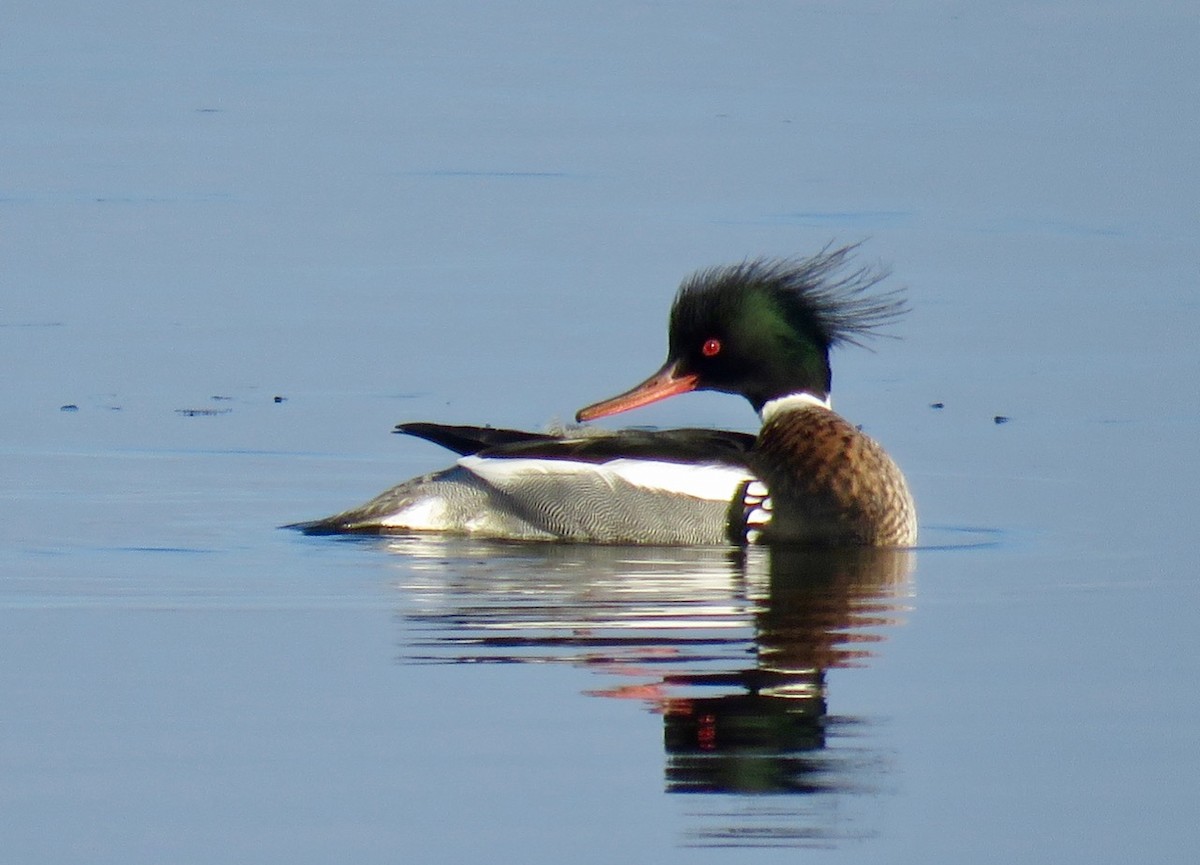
{"points": [[763, 329]]}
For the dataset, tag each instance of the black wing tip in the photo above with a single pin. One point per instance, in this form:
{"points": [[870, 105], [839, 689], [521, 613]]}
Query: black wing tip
{"points": [[468, 440], [462, 440]]}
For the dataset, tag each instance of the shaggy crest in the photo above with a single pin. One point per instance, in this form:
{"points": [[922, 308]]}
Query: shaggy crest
{"points": [[818, 296]]}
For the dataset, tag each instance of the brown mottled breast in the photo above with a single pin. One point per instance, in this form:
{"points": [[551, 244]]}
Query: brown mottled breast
{"points": [[830, 484]]}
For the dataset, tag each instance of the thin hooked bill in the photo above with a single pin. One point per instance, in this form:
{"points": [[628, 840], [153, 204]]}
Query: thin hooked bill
{"points": [[664, 383]]}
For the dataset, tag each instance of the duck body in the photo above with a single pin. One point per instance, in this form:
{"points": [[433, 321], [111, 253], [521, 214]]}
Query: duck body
{"points": [[762, 330], [665, 487]]}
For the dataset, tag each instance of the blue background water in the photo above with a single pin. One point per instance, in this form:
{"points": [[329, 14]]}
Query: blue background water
{"points": [[477, 212]]}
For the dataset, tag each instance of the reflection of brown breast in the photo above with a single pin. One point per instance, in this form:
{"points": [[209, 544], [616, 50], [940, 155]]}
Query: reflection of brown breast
{"points": [[830, 484]]}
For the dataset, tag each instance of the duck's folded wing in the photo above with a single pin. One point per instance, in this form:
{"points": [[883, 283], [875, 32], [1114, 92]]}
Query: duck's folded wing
{"points": [[677, 486], [620, 501]]}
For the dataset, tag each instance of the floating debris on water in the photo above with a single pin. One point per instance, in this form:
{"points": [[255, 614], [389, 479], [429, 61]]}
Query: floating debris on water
{"points": [[202, 412], [999, 419], [68, 407], [279, 399], [937, 405]]}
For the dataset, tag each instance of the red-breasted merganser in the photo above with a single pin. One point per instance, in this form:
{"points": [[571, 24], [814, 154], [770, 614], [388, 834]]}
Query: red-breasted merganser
{"points": [[762, 329]]}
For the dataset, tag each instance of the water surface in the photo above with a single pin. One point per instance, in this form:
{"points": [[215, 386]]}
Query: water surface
{"points": [[238, 243]]}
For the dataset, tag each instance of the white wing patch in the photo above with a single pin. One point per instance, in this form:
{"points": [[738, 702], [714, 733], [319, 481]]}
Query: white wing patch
{"points": [[708, 481]]}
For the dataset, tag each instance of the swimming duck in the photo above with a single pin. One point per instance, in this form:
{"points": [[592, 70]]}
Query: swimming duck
{"points": [[761, 329]]}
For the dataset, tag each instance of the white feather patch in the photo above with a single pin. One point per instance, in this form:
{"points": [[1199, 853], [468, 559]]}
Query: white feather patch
{"points": [[712, 482], [792, 401], [427, 514]]}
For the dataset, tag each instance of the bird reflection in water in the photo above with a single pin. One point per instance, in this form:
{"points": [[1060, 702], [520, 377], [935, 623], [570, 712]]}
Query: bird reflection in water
{"points": [[730, 647]]}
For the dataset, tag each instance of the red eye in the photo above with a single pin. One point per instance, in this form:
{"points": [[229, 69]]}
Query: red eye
{"points": [[711, 347]]}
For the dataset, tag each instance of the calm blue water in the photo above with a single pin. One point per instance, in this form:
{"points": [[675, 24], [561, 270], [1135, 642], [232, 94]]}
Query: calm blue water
{"points": [[478, 212]]}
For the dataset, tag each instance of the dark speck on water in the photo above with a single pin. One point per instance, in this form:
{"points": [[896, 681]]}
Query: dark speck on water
{"points": [[69, 407], [999, 419], [202, 412], [937, 405]]}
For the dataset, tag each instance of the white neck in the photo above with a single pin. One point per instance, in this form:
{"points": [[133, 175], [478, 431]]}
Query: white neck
{"points": [[792, 401]]}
